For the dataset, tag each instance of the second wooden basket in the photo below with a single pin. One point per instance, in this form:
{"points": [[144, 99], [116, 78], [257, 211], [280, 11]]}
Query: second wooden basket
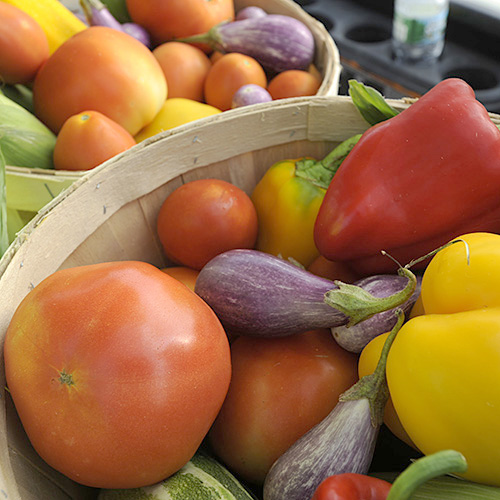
{"points": [[29, 189]]}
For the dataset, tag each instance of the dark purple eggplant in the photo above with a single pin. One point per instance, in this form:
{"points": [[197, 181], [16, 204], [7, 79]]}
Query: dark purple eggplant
{"points": [[356, 337], [255, 293], [342, 442], [252, 11], [277, 42]]}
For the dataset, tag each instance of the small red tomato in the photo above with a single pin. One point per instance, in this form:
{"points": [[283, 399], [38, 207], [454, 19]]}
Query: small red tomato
{"points": [[352, 486], [89, 139], [280, 388], [117, 372], [23, 45], [204, 218]]}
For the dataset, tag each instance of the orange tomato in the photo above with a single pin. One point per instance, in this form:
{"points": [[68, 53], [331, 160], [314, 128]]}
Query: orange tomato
{"points": [[204, 218], [293, 83], [280, 388], [89, 139], [23, 45], [104, 70], [185, 67], [169, 19], [117, 372], [183, 274], [228, 74]]}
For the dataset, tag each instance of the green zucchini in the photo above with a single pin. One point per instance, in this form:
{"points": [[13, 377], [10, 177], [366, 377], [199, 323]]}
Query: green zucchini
{"points": [[202, 478]]}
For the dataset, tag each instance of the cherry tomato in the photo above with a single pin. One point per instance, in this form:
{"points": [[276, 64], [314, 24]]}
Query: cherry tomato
{"points": [[105, 70], [280, 388], [89, 139], [23, 45], [293, 83], [204, 218], [117, 372]]}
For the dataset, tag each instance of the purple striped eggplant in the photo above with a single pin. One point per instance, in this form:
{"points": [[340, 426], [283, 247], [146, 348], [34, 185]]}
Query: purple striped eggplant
{"points": [[277, 42], [255, 293]]}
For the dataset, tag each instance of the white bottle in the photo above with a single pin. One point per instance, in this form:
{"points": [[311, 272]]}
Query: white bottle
{"points": [[418, 29]]}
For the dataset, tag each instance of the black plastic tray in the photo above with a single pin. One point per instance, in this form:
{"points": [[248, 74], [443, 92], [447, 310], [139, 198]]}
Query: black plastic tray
{"points": [[362, 33]]}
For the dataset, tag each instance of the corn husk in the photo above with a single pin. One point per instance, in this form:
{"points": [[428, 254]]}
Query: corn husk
{"points": [[449, 488], [4, 239], [24, 139]]}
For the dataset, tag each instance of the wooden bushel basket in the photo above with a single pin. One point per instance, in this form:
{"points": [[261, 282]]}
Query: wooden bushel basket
{"points": [[110, 214], [27, 184]]}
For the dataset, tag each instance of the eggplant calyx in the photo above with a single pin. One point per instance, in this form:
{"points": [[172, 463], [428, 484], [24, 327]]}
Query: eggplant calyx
{"points": [[320, 173], [358, 304], [211, 37], [373, 387], [425, 468]]}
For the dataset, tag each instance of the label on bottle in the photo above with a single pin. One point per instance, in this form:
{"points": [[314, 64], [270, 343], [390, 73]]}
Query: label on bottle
{"points": [[420, 31]]}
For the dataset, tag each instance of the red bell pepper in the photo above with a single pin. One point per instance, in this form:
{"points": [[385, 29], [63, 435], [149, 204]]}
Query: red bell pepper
{"points": [[351, 486], [414, 182]]}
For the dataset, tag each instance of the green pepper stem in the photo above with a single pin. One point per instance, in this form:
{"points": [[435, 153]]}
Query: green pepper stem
{"points": [[425, 468], [358, 304], [374, 386], [320, 173]]}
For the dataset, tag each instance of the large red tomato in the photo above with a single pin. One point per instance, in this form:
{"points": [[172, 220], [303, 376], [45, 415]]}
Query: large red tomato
{"points": [[100, 69], [23, 45], [117, 371], [280, 389]]}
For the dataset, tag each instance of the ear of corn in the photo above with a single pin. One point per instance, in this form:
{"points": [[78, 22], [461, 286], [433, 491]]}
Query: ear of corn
{"points": [[56, 20], [4, 237], [24, 139]]}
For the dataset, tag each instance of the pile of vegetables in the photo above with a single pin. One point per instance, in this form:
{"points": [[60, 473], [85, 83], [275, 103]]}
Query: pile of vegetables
{"points": [[195, 59], [263, 365]]}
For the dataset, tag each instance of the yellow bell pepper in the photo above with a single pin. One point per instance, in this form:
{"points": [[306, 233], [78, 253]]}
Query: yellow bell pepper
{"points": [[443, 369], [287, 200]]}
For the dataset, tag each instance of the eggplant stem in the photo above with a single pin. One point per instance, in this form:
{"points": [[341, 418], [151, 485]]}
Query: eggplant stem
{"points": [[358, 304], [442, 247], [425, 468], [374, 386]]}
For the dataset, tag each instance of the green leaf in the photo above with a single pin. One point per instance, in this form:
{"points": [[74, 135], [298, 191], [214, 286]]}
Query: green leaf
{"points": [[370, 103]]}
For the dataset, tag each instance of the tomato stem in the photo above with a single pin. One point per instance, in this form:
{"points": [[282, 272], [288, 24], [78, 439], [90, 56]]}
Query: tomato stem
{"points": [[66, 378]]}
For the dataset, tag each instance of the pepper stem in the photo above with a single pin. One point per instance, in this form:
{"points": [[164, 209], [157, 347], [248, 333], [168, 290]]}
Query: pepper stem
{"points": [[374, 386], [320, 173], [425, 468], [358, 304]]}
